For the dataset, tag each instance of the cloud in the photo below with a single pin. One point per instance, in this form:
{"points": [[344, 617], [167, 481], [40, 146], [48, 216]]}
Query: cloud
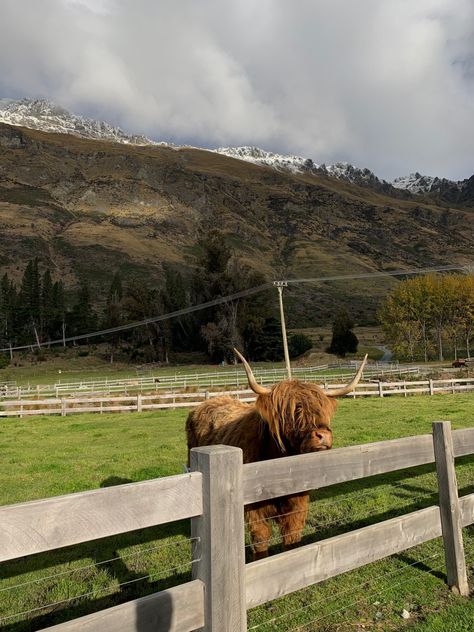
{"points": [[389, 85]]}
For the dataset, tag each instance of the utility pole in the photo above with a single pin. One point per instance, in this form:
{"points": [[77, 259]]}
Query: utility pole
{"points": [[36, 336], [280, 285]]}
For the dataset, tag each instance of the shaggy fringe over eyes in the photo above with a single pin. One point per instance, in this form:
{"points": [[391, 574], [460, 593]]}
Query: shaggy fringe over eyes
{"points": [[294, 408]]}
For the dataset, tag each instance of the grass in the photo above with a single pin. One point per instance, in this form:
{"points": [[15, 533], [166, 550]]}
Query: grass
{"points": [[68, 367], [47, 456]]}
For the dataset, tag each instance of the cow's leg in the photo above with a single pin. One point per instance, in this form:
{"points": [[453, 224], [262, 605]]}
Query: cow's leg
{"points": [[260, 528], [293, 511]]}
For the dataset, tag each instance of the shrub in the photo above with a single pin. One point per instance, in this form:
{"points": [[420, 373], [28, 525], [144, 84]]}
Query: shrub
{"points": [[298, 344]]}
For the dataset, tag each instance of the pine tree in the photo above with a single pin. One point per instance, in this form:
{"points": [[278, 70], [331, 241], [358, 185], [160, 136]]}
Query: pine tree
{"points": [[47, 304], [115, 294], [179, 331], [113, 313], [83, 318], [8, 311], [29, 300], [344, 339], [59, 312], [221, 273]]}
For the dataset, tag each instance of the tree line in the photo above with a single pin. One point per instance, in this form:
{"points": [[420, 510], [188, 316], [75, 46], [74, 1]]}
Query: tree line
{"points": [[41, 309], [430, 316]]}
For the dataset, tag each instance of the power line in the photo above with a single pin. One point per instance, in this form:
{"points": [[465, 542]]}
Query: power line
{"points": [[232, 297], [148, 321], [369, 275]]}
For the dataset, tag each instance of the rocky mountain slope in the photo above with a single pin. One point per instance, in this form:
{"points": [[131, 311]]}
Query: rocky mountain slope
{"points": [[87, 208], [44, 115]]}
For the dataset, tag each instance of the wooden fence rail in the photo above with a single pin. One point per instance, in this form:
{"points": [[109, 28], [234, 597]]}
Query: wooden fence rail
{"points": [[213, 495], [138, 403], [165, 383]]}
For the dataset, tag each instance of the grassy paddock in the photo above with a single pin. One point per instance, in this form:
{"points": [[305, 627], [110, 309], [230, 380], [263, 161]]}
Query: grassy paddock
{"points": [[89, 363], [47, 456]]}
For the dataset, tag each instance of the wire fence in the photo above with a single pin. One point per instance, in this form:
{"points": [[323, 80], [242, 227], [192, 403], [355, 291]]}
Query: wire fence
{"points": [[411, 585], [81, 583], [346, 511], [332, 510], [303, 615]]}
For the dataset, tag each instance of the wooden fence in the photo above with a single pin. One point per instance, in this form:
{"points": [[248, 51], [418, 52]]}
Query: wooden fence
{"points": [[237, 378], [139, 403], [213, 495]]}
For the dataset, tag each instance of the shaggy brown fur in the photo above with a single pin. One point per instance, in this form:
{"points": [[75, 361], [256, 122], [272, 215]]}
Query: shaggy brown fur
{"points": [[293, 418]]}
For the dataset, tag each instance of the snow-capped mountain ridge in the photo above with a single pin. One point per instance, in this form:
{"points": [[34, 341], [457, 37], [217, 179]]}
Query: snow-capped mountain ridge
{"points": [[416, 183], [294, 164], [298, 164], [44, 115]]}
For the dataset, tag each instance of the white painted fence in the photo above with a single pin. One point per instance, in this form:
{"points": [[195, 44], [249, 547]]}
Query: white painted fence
{"points": [[159, 383], [140, 403]]}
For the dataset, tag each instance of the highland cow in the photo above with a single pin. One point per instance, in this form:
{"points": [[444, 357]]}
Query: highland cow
{"points": [[291, 417]]}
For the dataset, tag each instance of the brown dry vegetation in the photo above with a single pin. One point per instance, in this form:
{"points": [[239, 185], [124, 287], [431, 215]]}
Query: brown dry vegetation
{"points": [[87, 208]]}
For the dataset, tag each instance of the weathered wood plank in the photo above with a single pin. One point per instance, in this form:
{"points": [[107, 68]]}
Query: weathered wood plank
{"points": [[463, 442], [467, 509], [287, 572], [220, 532], [44, 525], [16, 413], [449, 507], [288, 475], [178, 609]]}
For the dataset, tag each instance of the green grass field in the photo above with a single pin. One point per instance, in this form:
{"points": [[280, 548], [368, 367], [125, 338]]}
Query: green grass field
{"points": [[73, 368], [47, 456], [92, 363]]}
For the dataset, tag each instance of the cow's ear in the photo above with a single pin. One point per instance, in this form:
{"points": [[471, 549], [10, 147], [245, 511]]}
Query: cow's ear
{"points": [[266, 410]]}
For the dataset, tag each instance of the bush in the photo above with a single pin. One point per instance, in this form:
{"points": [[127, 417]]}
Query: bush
{"points": [[344, 339], [299, 344], [4, 361]]}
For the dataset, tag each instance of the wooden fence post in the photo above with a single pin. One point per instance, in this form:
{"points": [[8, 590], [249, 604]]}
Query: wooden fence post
{"points": [[380, 389], [431, 387], [139, 403], [449, 507], [220, 538]]}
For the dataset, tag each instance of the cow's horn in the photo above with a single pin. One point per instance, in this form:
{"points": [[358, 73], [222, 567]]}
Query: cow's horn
{"points": [[254, 385], [339, 392]]}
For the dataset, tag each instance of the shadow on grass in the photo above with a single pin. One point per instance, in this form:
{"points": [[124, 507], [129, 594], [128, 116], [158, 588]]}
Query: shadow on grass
{"points": [[129, 584], [82, 607], [422, 566], [135, 585]]}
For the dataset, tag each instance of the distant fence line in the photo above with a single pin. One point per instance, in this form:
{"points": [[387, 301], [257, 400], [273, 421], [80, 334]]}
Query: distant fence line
{"points": [[223, 587], [160, 383], [140, 403]]}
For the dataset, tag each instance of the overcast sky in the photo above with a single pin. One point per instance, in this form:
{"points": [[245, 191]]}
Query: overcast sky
{"points": [[387, 84]]}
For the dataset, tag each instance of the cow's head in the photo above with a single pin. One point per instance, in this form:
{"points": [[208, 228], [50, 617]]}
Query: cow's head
{"points": [[298, 414]]}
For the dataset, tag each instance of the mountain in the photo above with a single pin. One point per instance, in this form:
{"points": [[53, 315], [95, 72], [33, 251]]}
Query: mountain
{"points": [[46, 116], [87, 208], [298, 164], [455, 192]]}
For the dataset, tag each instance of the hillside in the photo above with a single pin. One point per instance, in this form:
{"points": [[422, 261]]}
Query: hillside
{"points": [[88, 207]]}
